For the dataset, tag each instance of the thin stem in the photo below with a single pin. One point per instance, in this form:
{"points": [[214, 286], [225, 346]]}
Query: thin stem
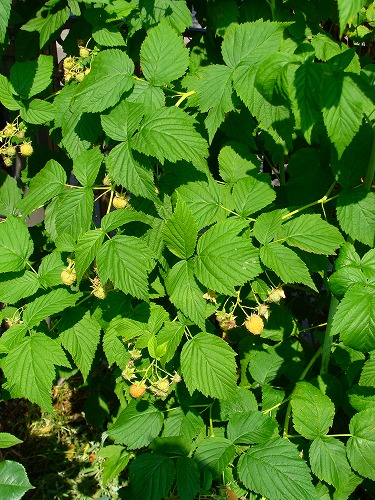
{"points": [[302, 377], [212, 432], [338, 435], [369, 176], [184, 96], [31, 267], [322, 201], [110, 202], [328, 339]]}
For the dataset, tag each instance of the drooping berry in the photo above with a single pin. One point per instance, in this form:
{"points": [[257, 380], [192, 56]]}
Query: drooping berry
{"points": [[68, 276], [254, 324], [276, 294], [119, 201]]}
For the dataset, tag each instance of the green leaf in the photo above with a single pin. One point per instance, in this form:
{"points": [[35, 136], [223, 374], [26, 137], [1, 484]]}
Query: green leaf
{"points": [[360, 447], [10, 195], [267, 226], [124, 169], [13, 480], [312, 234], [214, 92], [46, 184], [270, 74], [49, 272], [50, 303], [346, 489], [38, 112], [15, 245], [185, 293], [13, 336], [264, 366], [212, 267], [5, 8], [88, 246], [249, 44], [252, 194], [354, 319], [207, 364], [368, 264], [361, 398], [328, 461], [75, 212], [164, 58], [343, 279], [170, 337], [47, 21], [118, 218], [7, 98], [233, 167], [151, 476], [180, 232], [342, 109], [367, 378], [30, 368], [86, 166], [305, 105], [356, 215], [214, 454], [31, 77], [116, 459], [187, 479], [275, 470], [251, 428], [243, 401], [126, 261], [286, 264], [347, 10], [16, 286], [80, 131], [182, 422], [108, 35], [169, 133], [7, 440], [113, 347], [313, 411], [123, 120], [137, 425], [205, 201], [146, 94], [111, 69], [80, 335]]}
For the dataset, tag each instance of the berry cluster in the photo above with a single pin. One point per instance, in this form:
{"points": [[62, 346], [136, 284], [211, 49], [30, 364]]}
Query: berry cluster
{"points": [[76, 68], [157, 384], [11, 137]]}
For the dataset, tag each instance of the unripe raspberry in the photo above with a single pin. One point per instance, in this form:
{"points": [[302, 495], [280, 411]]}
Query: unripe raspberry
{"points": [[84, 52], [100, 292], [163, 385], [254, 324], [8, 162], [68, 63], [10, 151], [106, 180], [26, 149], [137, 390], [68, 276], [20, 134], [119, 201], [276, 294], [9, 130], [79, 77]]}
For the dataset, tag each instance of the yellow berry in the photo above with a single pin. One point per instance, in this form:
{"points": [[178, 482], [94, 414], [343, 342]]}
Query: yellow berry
{"points": [[84, 52], [137, 390], [8, 162], [79, 77], [254, 324], [119, 201], [276, 294], [68, 63], [99, 292], [68, 276], [26, 149]]}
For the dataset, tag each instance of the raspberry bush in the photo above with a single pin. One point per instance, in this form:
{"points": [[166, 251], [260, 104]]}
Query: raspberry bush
{"points": [[207, 235]]}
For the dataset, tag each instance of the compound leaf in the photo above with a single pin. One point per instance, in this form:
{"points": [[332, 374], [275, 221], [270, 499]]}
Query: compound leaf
{"points": [[151, 476], [328, 461], [360, 447], [214, 454], [180, 232], [15, 245]]}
